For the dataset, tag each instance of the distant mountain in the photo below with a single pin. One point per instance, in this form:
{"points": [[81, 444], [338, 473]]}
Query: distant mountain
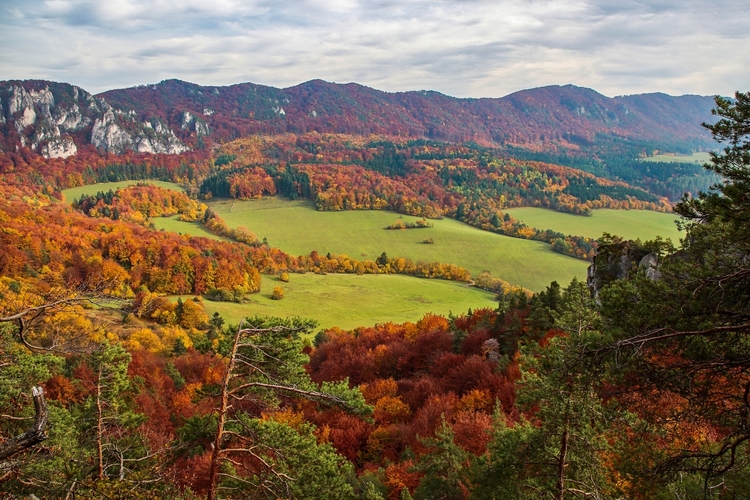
{"points": [[168, 117]]}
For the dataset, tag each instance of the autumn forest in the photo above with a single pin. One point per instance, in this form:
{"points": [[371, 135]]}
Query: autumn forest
{"points": [[116, 382]]}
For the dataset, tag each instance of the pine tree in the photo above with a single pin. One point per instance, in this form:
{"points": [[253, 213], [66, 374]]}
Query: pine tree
{"points": [[265, 362]]}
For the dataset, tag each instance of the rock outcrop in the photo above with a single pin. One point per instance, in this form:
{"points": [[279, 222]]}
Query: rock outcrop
{"points": [[55, 119], [195, 124], [618, 260]]}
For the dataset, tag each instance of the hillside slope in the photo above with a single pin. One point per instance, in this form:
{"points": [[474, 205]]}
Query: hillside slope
{"points": [[554, 113]]}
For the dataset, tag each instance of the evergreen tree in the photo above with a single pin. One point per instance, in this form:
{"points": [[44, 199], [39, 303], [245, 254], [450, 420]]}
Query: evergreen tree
{"points": [[557, 450], [266, 362], [684, 337]]}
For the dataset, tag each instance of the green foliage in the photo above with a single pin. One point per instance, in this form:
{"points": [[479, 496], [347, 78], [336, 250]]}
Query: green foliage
{"points": [[683, 339], [558, 448], [266, 368], [727, 202], [445, 467], [314, 470], [224, 159]]}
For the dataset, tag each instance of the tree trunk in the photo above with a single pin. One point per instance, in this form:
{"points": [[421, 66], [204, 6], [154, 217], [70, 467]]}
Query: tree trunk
{"points": [[223, 408], [33, 436], [99, 426], [562, 461]]}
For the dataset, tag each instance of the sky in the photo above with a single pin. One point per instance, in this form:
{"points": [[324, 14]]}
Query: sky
{"points": [[463, 48]]}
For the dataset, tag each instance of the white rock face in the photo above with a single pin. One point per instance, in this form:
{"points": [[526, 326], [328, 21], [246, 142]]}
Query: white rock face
{"points": [[187, 120], [27, 118], [144, 145], [42, 97], [108, 135], [202, 128], [61, 148], [194, 124], [70, 119], [112, 130], [19, 100]]}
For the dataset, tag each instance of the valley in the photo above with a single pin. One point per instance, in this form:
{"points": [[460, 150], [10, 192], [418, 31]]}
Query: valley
{"points": [[291, 307]]}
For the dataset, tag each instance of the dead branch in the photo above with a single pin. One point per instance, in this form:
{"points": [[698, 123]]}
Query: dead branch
{"points": [[35, 434]]}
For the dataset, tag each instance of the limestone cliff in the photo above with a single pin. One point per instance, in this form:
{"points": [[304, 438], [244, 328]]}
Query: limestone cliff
{"points": [[56, 119], [617, 259]]}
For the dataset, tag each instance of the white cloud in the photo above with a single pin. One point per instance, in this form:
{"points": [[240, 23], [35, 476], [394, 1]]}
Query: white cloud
{"points": [[460, 47]]}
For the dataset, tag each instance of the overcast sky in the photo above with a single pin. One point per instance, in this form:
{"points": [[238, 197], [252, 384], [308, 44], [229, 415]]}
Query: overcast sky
{"points": [[464, 48]]}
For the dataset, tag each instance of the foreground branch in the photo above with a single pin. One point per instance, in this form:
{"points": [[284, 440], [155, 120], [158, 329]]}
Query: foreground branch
{"points": [[33, 436]]}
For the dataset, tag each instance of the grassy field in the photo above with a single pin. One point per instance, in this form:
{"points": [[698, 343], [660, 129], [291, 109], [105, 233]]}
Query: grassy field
{"points": [[629, 224], [76, 192], [699, 157], [297, 228], [348, 301], [181, 227]]}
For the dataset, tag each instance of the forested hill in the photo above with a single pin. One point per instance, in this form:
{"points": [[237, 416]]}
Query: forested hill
{"points": [[58, 119], [554, 113]]}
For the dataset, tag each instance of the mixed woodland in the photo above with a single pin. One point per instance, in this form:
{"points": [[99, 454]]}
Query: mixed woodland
{"points": [[633, 385]]}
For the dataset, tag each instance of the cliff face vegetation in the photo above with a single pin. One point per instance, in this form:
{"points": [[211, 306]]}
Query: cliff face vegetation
{"points": [[115, 383]]}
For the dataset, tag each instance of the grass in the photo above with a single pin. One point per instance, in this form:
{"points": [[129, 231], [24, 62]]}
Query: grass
{"points": [[629, 224], [348, 301], [76, 192], [699, 157], [297, 228], [181, 227]]}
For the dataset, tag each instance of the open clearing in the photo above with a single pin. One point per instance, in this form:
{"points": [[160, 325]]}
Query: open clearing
{"points": [[630, 224], [175, 225], [297, 228], [699, 157], [348, 300], [76, 192]]}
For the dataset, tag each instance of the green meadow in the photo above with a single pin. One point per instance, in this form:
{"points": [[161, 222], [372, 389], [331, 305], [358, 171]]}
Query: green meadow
{"points": [[699, 157], [349, 300], [181, 227], [76, 192], [297, 228], [630, 224]]}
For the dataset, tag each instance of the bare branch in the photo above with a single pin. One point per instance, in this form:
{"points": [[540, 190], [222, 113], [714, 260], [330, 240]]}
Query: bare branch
{"points": [[35, 434]]}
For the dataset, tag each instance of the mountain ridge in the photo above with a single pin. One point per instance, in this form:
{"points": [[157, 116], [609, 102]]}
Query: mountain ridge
{"points": [[173, 115]]}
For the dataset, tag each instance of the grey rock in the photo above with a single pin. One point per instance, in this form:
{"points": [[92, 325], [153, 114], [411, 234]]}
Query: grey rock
{"points": [[61, 148]]}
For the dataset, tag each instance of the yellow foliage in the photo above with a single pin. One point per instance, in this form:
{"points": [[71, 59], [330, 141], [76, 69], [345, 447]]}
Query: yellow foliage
{"points": [[170, 334], [475, 400], [287, 416], [193, 315], [145, 339]]}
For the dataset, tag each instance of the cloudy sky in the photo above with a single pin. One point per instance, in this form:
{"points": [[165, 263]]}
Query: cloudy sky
{"points": [[464, 48]]}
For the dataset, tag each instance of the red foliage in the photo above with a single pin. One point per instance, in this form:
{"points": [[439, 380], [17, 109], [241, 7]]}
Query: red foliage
{"points": [[415, 367]]}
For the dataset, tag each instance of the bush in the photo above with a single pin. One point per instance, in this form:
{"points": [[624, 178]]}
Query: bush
{"points": [[220, 295], [278, 293]]}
